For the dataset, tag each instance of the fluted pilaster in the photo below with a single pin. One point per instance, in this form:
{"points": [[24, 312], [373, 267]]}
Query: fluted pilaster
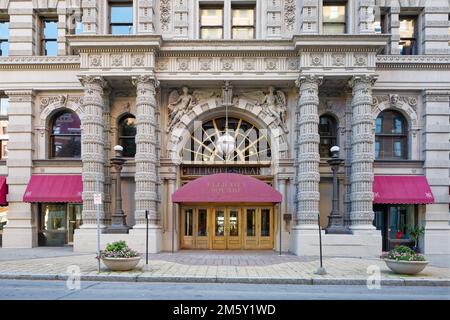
{"points": [[93, 156], [361, 214], [146, 177], [307, 154]]}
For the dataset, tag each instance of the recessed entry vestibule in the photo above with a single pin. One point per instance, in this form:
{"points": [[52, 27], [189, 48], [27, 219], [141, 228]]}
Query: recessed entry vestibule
{"points": [[230, 227]]}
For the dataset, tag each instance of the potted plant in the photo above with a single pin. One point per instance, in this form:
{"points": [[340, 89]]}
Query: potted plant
{"points": [[416, 233], [119, 257], [404, 260]]}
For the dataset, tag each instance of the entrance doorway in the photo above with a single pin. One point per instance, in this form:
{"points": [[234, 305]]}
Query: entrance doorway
{"points": [[227, 228]]}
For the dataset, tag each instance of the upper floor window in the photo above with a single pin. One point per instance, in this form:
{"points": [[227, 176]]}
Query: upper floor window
{"points": [[243, 22], [328, 134], [408, 35], [211, 22], [65, 139], [4, 137], [127, 134], [4, 38], [391, 138], [49, 36], [334, 17], [121, 17]]}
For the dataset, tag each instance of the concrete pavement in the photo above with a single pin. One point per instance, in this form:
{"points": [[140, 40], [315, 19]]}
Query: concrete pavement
{"points": [[213, 266], [57, 290]]}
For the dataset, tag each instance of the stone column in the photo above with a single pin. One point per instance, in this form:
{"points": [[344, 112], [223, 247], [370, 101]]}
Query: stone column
{"points": [[107, 136], [146, 177], [308, 157], [93, 153], [21, 229], [307, 161], [361, 214]]}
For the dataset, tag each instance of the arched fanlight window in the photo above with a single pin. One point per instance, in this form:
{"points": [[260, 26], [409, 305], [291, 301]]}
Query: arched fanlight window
{"points": [[251, 144], [328, 135], [127, 134], [391, 136], [65, 138]]}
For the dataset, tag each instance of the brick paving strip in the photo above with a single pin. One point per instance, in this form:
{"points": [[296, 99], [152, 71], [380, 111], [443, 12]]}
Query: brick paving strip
{"points": [[239, 268]]}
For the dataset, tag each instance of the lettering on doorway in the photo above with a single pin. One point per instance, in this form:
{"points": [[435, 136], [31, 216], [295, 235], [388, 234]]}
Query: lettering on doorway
{"points": [[204, 171], [226, 187]]}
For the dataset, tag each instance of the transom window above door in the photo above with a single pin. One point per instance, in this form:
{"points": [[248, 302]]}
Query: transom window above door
{"points": [[246, 143]]}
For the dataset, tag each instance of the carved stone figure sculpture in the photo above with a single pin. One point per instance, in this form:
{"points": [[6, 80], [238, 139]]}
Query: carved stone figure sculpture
{"points": [[273, 102], [178, 106]]}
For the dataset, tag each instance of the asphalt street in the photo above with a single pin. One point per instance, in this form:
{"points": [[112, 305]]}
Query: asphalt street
{"points": [[56, 290]]}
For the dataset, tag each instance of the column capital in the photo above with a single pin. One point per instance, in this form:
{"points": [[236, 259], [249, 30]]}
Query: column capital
{"points": [[313, 79], [366, 79], [145, 80], [93, 82]]}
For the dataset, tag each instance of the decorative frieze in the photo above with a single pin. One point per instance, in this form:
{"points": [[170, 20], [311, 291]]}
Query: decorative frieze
{"points": [[117, 60], [227, 65]]}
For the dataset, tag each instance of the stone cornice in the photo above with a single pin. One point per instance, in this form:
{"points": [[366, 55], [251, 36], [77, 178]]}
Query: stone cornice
{"points": [[340, 43], [114, 43], [39, 62], [413, 62]]}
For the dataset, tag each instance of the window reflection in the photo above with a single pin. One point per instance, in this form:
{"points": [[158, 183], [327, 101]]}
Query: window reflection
{"points": [[202, 223], [50, 37], [219, 223], [4, 38], [265, 222], [334, 19], [390, 136], [66, 135], [251, 222], [243, 23], [127, 134], [327, 131], [211, 23], [121, 18], [188, 219], [408, 35]]}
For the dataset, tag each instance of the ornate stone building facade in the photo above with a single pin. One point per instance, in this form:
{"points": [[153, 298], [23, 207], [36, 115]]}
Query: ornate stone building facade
{"points": [[168, 79]]}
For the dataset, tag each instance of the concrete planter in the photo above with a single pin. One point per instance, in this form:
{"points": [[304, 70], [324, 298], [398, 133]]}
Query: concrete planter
{"points": [[406, 267], [121, 264]]}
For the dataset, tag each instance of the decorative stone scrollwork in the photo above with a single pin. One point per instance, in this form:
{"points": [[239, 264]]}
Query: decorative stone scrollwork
{"points": [[289, 14], [165, 14]]}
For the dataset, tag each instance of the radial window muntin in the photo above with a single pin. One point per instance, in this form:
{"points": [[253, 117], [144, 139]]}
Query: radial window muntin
{"points": [[251, 143]]}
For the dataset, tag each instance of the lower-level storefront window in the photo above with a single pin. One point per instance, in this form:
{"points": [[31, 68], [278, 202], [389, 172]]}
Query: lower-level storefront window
{"points": [[395, 222], [58, 222]]}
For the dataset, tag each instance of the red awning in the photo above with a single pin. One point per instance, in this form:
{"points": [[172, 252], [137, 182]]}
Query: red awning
{"points": [[402, 190], [3, 191], [54, 188], [226, 188]]}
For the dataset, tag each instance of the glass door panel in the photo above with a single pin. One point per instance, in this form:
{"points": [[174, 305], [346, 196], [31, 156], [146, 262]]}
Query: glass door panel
{"points": [[187, 219], [265, 233], [232, 228], [219, 236], [250, 239], [201, 241]]}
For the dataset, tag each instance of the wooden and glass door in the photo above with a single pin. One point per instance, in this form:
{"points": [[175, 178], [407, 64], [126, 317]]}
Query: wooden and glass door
{"points": [[258, 228], [227, 228]]}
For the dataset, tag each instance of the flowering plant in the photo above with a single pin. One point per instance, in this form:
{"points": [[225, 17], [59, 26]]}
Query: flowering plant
{"points": [[118, 249], [403, 253]]}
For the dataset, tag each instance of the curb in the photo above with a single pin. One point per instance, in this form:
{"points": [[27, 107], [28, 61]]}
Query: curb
{"points": [[245, 280]]}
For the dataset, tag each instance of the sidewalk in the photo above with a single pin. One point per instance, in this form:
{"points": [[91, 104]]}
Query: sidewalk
{"points": [[212, 266]]}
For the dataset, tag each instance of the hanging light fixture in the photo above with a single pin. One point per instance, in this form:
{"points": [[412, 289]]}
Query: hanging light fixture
{"points": [[226, 142]]}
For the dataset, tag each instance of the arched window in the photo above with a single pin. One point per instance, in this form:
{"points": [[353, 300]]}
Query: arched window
{"points": [[250, 144], [391, 136], [328, 133], [65, 139], [127, 134]]}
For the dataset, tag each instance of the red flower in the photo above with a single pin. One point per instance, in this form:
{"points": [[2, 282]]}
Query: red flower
{"points": [[399, 235]]}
